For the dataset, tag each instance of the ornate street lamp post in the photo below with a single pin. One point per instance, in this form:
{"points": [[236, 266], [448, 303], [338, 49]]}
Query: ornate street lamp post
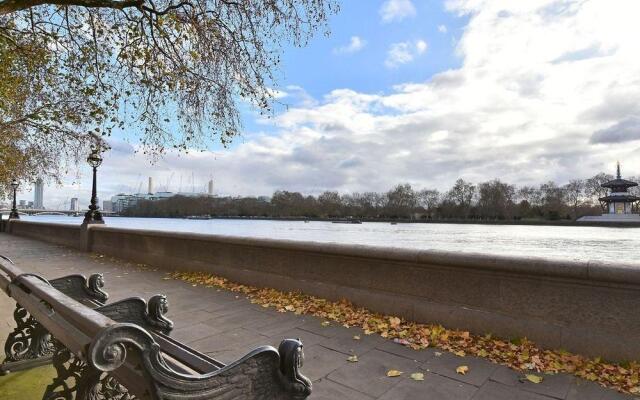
{"points": [[14, 210], [93, 216]]}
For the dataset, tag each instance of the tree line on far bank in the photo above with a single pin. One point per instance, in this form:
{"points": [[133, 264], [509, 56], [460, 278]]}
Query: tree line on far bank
{"points": [[491, 200]]}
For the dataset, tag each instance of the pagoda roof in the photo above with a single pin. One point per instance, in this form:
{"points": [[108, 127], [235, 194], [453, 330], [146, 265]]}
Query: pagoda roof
{"points": [[619, 182], [620, 198]]}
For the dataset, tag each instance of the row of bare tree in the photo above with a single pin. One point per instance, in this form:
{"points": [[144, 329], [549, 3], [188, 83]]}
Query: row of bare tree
{"points": [[492, 200]]}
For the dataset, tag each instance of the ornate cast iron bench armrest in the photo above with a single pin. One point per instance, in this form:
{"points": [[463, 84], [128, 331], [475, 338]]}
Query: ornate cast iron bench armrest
{"points": [[137, 311], [150, 316], [264, 373], [86, 291], [29, 345]]}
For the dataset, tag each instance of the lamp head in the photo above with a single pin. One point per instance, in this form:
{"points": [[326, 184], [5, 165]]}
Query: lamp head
{"points": [[94, 158], [15, 184]]}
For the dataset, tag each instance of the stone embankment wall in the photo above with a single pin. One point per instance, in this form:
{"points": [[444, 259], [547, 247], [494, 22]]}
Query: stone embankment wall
{"points": [[585, 307], [63, 234]]}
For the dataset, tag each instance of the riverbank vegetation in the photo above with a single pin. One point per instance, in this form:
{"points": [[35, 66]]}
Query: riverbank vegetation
{"points": [[493, 200]]}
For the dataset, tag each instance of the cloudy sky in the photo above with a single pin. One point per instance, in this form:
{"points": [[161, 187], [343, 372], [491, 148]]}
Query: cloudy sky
{"points": [[424, 92]]}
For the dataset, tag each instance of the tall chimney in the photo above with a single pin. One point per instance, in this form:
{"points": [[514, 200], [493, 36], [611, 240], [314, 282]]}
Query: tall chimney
{"points": [[150, 185], [211, 187]]}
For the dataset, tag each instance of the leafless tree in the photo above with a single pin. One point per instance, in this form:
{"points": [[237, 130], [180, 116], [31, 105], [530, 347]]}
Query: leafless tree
{"points": [[496, 199], [429, 199], [593, 186], [462, 194], [575, 195], [401, 201]]}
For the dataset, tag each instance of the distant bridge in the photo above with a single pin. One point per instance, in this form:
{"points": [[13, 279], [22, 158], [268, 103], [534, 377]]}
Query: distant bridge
{"points": [[29, 211]]}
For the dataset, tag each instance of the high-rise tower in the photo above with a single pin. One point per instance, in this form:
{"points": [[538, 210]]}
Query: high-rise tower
{"points": [[38, 195]]}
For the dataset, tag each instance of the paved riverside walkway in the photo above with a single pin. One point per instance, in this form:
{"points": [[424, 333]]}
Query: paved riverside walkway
{"points": [[227, 326]]}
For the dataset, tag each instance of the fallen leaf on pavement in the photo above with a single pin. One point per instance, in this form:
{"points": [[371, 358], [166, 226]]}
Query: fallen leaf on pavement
{"points": [[533, 378], [462, 370], [417, 376], [353, 358], [393, 373]]}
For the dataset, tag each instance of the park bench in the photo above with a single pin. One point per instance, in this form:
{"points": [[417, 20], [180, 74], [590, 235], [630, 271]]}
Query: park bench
{"points": [[122, 350]]}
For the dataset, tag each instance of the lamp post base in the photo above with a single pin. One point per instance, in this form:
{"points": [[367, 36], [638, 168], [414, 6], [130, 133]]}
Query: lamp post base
{"points": [[14, 215], [92, 217]]}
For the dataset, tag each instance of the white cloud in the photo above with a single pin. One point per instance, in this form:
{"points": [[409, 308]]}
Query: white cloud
{"points": [[442, 28], [399, 53], [355, 44], [302, 98], [524, 106], [396, 10], [404, 52], [421, 46]]}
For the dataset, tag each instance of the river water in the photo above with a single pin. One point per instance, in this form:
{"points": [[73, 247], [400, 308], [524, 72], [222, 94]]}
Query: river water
{"points": [[555, 242]]}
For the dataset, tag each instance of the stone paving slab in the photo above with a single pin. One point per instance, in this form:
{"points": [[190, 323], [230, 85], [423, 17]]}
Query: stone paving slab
{"points": [[227, 326]]}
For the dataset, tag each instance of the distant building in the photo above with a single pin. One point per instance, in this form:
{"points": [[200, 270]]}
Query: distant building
{"points": [[22, 204], [619, 201], [74, 204], [122, 201], [107, 205], [619, 205], [38, 195]]}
